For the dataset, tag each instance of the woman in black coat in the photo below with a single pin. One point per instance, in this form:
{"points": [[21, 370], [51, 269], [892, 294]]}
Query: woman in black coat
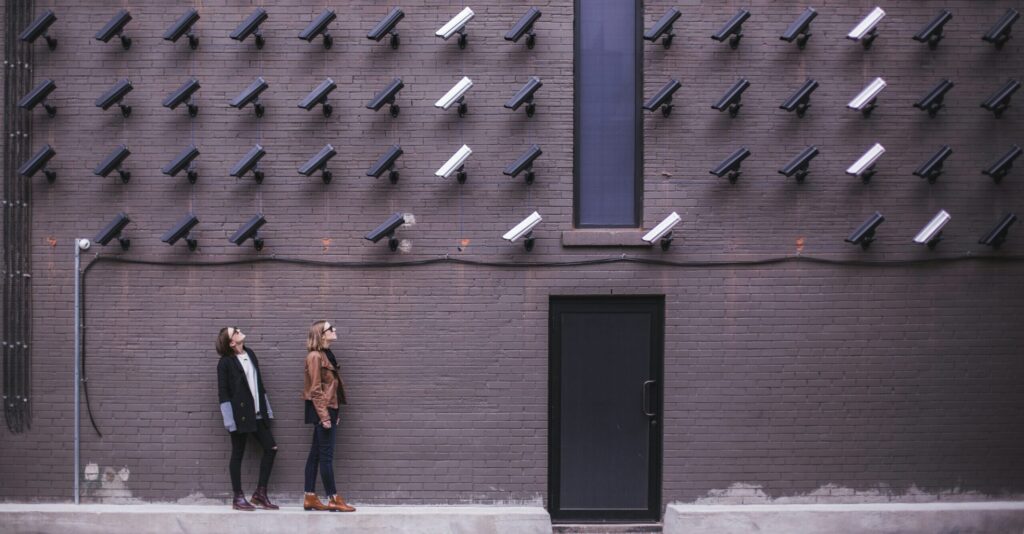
{"points": [[246, 412]]}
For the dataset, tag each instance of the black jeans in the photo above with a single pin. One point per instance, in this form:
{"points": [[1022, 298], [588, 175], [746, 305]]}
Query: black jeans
{"points": [[321, 452], [266, 440]]}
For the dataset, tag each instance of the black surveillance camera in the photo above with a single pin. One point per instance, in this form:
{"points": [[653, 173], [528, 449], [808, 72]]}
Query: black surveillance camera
{"points": [[251, 26], [319, 96], [115, 26], [38, 162], [387, 229], [524, 163], [800, 165], [319, 163], [113, 230], [114, 96], [40, 26], [251, 94], [733, 30], [38, 96], [731, 99], [183, 160], [249, 162], [184, 94], [183, 26], [801, 99], [932, 102], [250, 230], [932, 168], [800, 29], [114, 161], [318, 27], [181, 229], [1000, 33], [525, 95], [387, 26], [932, 33], [998, 102], [730, 166], [1002, 166], [386, 163], [663, 98], [865, 233], [996, 236], [663, 28], [387, 96], [524, 26]]}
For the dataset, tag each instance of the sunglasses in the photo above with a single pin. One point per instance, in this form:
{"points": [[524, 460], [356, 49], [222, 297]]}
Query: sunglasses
{"points": [[234, 330], [329, 329]]}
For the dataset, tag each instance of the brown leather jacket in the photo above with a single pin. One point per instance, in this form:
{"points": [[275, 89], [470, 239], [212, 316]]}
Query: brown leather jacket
{"points": [[323, 384]]}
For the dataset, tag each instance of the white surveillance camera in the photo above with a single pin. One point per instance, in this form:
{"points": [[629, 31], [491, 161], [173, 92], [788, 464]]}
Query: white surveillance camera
{"points": [[864, 167], [523, 228], [931, 234], [455, 93], [865, 100], [663, 231], [84, 244], [455, 163], [864, 31], [456, 25]]}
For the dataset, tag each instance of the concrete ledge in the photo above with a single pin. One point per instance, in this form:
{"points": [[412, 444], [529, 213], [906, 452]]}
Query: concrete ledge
{"points": [[164, 518], [627, 237], [882, 518]]}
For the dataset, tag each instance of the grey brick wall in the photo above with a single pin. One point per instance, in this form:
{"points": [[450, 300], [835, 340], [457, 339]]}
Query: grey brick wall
{"points": [[789, 376]]}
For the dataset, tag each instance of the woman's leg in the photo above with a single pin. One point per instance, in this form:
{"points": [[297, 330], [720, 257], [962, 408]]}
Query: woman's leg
{"points": [[266, 439], [326, 452], [235, 465], [312, 460]]}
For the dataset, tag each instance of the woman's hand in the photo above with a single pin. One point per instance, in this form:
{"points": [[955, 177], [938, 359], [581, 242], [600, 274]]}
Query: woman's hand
{"points": [[326, 424]]}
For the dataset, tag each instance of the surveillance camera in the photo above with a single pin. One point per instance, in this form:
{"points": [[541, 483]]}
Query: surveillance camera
{"points": [[664, 27], [183, 26], [524, 26], [731, 99], [114, 161], [525, 95], [40, 26], [183, 160], [38, 162], [931, 234], [663, 231], [387, 96], [181, 229], [801, 99], [250, 230], [865, 233], [524, 163], [1002, 166], [38, 96], [456, 94], [663, 98], [184, 94], [998, 102], [251, 94], [319, 96], [524, 229], [932, 168], [865, 166], [800, 165], [995, 237], [319, 26], [114, 96], [251, 26], [865, 32], [249, 162], [319, 163], [1000, 33], [387, 26], [387, 229], [800, 29], [455, 163], [733, 30], [456, 25], [932, 102], [386, 163], [864, 102], [932, 33], [83, 243], [115, 26], [731, 165], [113, 230]]}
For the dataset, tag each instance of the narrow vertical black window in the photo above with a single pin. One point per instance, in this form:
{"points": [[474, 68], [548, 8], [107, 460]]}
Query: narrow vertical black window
{"points": [[608, 122]]}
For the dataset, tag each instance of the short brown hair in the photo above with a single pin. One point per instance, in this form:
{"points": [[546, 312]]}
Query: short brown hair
{"points": [[315, 339], [223, 344]]}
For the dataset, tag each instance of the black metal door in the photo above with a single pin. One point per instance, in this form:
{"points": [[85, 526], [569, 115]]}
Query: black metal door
{"points": [[605, 415]]}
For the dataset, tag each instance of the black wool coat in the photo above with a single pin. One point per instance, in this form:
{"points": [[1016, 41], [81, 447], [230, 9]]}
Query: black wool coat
{"points": [[236, 400]]}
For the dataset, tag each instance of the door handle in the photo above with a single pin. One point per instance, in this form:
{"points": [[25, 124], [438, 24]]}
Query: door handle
{"points": [[646, 388]]}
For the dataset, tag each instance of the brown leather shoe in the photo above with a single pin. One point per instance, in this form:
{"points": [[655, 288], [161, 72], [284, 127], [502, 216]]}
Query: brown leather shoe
{"points": [[260, 499], [312, 502], [337, 504], [241, 504]]}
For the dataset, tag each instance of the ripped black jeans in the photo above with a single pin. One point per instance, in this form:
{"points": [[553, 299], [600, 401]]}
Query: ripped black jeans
{"points": [[266, 440]]}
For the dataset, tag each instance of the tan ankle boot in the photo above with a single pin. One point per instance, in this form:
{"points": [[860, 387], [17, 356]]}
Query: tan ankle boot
{"points": [[312, 502], [336, 503]]}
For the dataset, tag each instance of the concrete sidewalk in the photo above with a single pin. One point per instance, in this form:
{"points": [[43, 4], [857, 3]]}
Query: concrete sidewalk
{"points": [[196, 519]]}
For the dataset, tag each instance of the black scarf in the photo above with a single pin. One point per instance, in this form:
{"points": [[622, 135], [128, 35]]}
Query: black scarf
{"points": [[330, 356]]}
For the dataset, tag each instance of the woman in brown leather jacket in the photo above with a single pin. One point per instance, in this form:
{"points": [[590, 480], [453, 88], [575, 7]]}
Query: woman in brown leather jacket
{"points": [[324, 393]]}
